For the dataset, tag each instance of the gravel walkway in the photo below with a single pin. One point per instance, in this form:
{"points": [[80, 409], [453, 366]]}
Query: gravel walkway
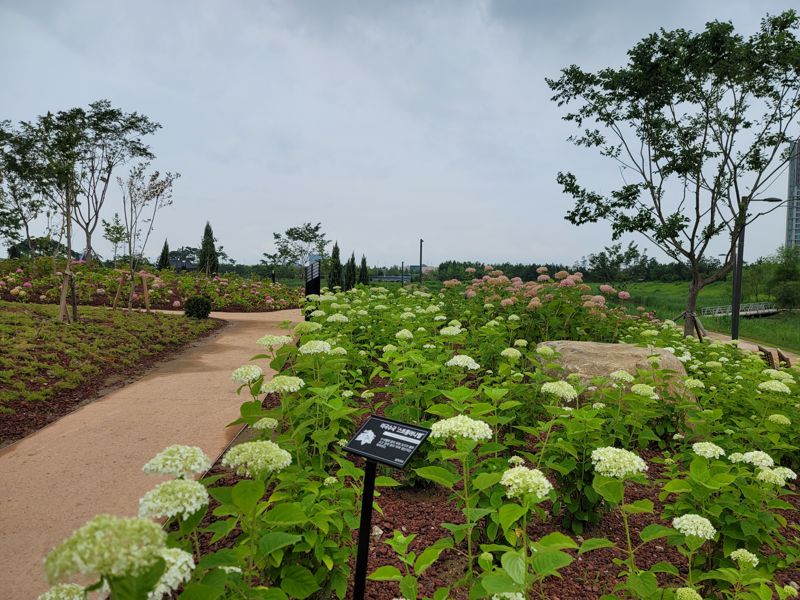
{"points": [[89, 461]]}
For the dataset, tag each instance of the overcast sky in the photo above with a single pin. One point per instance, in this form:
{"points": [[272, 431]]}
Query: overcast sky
{"points": [[386, 121]]}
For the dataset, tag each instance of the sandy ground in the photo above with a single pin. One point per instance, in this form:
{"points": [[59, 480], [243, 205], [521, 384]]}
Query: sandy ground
{"points": [[89, 461]]}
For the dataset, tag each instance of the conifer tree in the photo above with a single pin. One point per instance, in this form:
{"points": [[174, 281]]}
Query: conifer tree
{"points": [[335, 269], [350, 273], [163, 259], [363, 272], [208, 259]]}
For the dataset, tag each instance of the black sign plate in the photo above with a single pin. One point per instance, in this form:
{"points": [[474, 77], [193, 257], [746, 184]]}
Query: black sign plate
{"points": [[387, 441]]}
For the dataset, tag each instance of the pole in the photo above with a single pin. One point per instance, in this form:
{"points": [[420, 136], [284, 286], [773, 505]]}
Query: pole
{"points": [[737, 287], [402, 272], [420, 260], [364, 531]]}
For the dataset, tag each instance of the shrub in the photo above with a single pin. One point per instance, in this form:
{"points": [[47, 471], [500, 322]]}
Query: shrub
{"points": [[198, 307]]}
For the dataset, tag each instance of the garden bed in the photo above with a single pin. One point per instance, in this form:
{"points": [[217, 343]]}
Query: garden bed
{"points": [[48, 368]]}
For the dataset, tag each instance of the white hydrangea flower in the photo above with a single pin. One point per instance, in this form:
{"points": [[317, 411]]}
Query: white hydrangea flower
{"points": [[774, 386], [560, 389], [617, 462], [771, 476], [178, 461], [178, 570], [450, 331], [315, 347], [177, 497], [389, 348], [516, 461], [330, 481], [337, 318], [513, 317], [505, 596], [317, 313], [520, 480], [780, 375], [744, 557], [461, 426], [404, 334], [678, 436], [272, 341], [64, 591], [694, 525], [107, 545], [347, 394], [521, 343], [779, 419], [429, 346], [256, 459], [642, 389], [282, 384], [266, 424], [511, 354], [304, 327], [687, 593], [707, 450], [694, 384], [736, 457], [545, 351], [463, 361], [622, 376], [247, 374], [440, 318], [339, 351], [407, 315], [598, 405], [713, 364], [785, 473], [757, 458]]}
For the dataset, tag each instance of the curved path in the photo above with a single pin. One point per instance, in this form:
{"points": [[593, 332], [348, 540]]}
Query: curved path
{"points": [[90, 461]]}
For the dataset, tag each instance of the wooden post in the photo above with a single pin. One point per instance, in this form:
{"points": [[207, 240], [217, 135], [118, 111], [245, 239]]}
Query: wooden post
{"points": [[123, 275], [145, 293]]}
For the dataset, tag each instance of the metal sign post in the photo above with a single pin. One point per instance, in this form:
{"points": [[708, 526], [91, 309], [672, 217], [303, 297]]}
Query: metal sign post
{"points": [[391, 443]]}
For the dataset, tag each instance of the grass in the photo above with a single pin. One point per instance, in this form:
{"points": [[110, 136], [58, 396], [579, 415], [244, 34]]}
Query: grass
{"points": [[42, 359], [669, 299]]}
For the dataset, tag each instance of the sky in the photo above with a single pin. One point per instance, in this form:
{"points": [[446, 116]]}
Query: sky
{"points": [[386, 121]]}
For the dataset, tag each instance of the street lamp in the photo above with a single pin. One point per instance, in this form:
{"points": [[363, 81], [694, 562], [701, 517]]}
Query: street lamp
{"points": [[737, 274]]}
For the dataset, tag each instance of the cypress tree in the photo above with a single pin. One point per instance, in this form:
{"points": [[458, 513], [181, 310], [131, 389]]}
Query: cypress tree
{"points": [[363, 272], [335, 269], [350, 273], [163, 260], [209, 262]]}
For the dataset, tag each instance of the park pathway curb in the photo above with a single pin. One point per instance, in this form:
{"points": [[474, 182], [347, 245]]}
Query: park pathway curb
{"points": [[90, 461]]}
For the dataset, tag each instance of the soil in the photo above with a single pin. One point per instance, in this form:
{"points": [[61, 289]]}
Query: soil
{"points": [[30, 416]]}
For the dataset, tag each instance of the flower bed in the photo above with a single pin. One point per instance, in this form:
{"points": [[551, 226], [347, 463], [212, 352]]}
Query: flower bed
{"points": [[38, 282], [632, 485]]}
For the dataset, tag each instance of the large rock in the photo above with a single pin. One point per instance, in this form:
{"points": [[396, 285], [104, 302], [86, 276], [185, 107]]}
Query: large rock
{"points": [[596, 359]]}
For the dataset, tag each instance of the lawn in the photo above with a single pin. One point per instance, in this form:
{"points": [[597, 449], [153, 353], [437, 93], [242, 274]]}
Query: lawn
{"points": [[47, 368]]}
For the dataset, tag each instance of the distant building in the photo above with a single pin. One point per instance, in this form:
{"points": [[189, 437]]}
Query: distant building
{"points": [[793, 198], [425, 269]]}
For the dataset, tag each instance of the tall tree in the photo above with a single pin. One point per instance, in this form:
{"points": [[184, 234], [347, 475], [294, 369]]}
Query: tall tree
{"points": [[163, 259], [363, 271], [335, 268], [115, 233], [208, 259], [350, 273], [110, 139], [297, 245], [143, 196], [698, 123]]}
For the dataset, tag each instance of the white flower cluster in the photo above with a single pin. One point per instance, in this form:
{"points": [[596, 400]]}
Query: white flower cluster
{"points": [[776, 476], [622, 376], [330, 481], [178, 461], [109, 546], [511, 354], [780, 375], [694, 525], [404, 334], [315, 347], [64, 591], [779, 419], [266, 424], [508, 596], [317, 313], [247, 374], [642, 389], [521, 343], [694, 384], [545, 351], [560, 389], [304, 327], [744, 557], [461, 426], [450, 331], [282, 384], [337, 318], [389, 348], [177, 571], [774, 386], [520, 481], [598, 405], [257, 459], [516, 461], [707, 450], [687, 593], [463, 361], [617, 462], [271, 341], [757, 458], [177, 497], [339, 351]]}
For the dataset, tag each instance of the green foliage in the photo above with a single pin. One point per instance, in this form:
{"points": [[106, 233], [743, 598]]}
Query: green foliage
{"points": [[208, 261], [296, 245], [350, 273], [335, 268], [197, 307], [363, 271], [163, 258]]}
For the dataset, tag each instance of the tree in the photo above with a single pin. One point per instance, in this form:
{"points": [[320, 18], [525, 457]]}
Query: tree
{"points": [[363, 271], [335, 268], [697, 122], [612, 264], [208, 259], [142, 197], [110, 138], [785, 284], [163, 259], [297, 245], [115, 233], [350, 273]]}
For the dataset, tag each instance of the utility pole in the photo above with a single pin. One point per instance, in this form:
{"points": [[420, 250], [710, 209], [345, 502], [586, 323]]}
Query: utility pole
{"points": [[420, 260], [402, 272]]}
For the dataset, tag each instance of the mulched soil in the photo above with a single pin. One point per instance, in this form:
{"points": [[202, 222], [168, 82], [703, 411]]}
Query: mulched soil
{"points": [[30, 416]]}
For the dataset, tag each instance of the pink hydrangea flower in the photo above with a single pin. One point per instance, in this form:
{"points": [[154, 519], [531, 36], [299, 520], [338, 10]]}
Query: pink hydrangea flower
{"points": [[623, 295], [568, 282], [507, 302], [471, 293], [607, 289], [469, 270], [176, 304], [561, 275], [541, 270], [543, 277], [27, 284], [20, 271], [534, 304]]}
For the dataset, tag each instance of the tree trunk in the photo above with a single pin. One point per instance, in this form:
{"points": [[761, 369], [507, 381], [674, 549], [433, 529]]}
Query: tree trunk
{"points": [[89, 253], [691, 305]]}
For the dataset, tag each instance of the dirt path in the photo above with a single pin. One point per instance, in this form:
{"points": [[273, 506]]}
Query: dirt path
{"points": [[90, 461], [751, 346]]}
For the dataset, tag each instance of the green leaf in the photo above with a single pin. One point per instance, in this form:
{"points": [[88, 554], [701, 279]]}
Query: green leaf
{"points": [[510, 514], [438, 475], [548, 562], [499, 583], [201, 591], [486, 480], [275, 540], [221, 558], [514, 566], [460, 394], [430, 555], [408, 586], [298, 582], [220, 529], [386, 573], [655, 531], [384, 481], [644, 584], [677, 486], [610, 489], [246, 494], [664, 567], [137, 587], [640, 506], [556, 541], [595, 544], [286, 513]]}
